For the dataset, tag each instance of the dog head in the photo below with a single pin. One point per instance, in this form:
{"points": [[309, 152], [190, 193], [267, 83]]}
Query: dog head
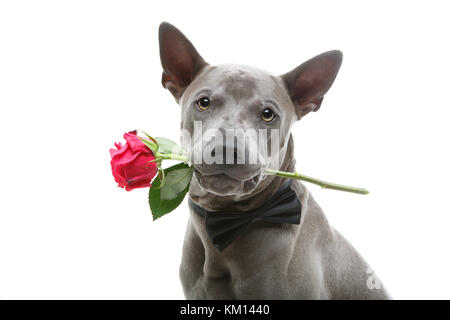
{"points": [[236, 120]]}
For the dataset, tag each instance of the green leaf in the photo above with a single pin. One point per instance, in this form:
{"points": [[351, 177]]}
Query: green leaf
{"points": [[159, 206], [149, 136], [168, 146], [150, 144], [161, 175], [175, 182]]}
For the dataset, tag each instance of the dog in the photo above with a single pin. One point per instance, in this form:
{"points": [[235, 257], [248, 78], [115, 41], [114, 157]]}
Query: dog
{"points": [[307, 259]]}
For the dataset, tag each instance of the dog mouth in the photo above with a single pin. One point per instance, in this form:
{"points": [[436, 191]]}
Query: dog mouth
{"points": [[224, 184]]}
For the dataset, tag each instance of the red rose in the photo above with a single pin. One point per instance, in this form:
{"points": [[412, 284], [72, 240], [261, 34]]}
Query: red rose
{"points": [[130, 163]]}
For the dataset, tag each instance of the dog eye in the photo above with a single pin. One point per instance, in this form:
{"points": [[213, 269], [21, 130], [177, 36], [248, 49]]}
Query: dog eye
{"points": [[267, 115], [203, 103]]}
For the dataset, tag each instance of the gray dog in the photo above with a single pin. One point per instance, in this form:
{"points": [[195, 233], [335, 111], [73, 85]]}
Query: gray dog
{"points": [[302, 259]]}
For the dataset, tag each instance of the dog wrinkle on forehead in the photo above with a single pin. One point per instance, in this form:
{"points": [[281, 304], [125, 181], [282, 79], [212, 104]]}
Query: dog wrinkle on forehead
{"points": [[239, 84]]}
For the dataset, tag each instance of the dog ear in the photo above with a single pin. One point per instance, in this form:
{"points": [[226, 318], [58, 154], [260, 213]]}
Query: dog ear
{"points": [[308, 83], [179, 59]]}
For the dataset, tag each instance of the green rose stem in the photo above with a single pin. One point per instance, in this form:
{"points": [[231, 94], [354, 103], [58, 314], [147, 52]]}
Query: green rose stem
{"points": [[171, 156], [321, 183], [291, 175]]}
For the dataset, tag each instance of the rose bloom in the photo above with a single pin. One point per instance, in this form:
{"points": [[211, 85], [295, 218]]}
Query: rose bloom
{"points": [[130, 163]]}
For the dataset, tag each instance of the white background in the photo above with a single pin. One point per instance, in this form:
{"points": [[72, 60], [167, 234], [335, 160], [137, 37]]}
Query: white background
{"points": [[75, 75]]}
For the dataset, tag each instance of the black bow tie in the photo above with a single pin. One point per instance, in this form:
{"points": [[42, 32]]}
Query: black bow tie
{"points": [[223, 227]]}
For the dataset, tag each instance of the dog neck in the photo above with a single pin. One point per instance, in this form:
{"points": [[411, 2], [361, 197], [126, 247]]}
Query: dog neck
{"points": [[265, 190]]}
